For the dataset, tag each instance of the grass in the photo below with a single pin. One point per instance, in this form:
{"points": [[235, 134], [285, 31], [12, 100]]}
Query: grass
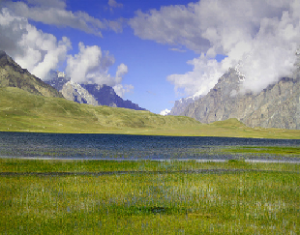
{"points": [[21, 111], [248, 202], [275, 150], [24, 165]]}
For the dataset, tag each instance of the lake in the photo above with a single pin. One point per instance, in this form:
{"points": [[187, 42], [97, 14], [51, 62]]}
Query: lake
{"points": [[129, 147]]}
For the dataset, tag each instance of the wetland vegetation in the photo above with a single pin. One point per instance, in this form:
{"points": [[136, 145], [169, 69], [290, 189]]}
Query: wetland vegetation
{"points": [[262, 199]]}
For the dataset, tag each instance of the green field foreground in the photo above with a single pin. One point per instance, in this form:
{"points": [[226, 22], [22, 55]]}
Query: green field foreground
{"points": [[21, 111], [258, 199]]}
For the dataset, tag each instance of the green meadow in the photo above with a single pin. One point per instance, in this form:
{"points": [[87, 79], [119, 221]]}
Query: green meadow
{"points": [[21, 111], [142, 197], [172, 197]]}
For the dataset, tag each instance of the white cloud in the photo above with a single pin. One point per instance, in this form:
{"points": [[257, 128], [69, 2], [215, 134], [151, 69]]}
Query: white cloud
{"points": [[91, 65], [267, 30], [121, 71], [170, 25], [52, 58], [272, 54], [113, 3], [54, 13], [40, 53], [205, 74], [121, 90], [165, 112], [31, 48]]}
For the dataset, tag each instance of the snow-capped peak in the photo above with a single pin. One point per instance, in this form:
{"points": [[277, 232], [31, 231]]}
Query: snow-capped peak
{"points": [[239, 65]]}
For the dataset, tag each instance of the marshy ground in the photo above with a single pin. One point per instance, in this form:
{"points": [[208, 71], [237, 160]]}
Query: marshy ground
{"points": [[148, 197]]}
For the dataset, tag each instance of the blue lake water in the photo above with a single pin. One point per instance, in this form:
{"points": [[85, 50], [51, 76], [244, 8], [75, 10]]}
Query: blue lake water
{"points": [[127, 147]]}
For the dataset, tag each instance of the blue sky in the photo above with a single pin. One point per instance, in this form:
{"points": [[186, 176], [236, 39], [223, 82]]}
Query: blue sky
{"points": [[152, 52]]}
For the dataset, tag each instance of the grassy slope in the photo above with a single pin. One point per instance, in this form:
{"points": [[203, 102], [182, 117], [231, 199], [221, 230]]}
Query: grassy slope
{"points": [[22, 111]]}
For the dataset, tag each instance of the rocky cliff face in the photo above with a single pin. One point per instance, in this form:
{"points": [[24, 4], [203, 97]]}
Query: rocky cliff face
{"points": [[277, 106], [75, 92], [181, 105], [12, 75], [106, 95]]}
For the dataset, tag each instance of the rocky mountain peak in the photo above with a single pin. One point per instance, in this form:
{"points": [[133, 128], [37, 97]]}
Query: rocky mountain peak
{"points": [[182, 104], [75, 92], [277, 106], [12, 75]]}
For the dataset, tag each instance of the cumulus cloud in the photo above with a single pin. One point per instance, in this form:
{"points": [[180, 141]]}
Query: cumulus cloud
{"points": [[205, 75], [40, 53], [121, 71], [54, 13], [268, 31], [31, 48], [165, 112], [121, 90], [91, 65], [170, 25]]}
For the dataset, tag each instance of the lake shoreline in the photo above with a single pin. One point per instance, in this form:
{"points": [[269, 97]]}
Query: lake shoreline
{"points": [[154, 160]]}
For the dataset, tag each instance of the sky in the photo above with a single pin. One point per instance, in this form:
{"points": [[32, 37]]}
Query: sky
{"points": [[153, 52]]}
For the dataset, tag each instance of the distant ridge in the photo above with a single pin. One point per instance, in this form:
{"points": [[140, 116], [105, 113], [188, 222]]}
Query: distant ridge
{"points": [[106, 95], [12, 75], [93, 94]]}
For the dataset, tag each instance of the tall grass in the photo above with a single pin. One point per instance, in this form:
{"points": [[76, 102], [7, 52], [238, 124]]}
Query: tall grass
{"points": [[22, 165], [178, 203]]}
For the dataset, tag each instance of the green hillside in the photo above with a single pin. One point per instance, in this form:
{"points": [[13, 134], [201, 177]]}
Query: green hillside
{"points": [[25, 112], [12, 75]]}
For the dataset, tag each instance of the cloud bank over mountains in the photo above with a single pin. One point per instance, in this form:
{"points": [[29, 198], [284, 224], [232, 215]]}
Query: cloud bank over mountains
{"points": [[33, 49], [265, 33], [41, 52], [91, 65]]}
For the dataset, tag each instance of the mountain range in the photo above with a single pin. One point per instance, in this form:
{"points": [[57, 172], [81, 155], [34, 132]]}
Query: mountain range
{"points": [[12, 75], [277, 106], [93, 94]]}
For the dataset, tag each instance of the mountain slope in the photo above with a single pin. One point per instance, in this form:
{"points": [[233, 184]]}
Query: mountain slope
{"points": [[182, 104], [12, 75], [277, 106], [23, 111]]}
